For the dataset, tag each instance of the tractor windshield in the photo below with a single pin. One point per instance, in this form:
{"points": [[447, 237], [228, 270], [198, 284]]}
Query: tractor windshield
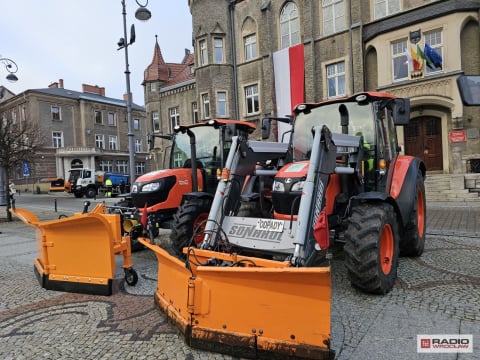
{"points": [[208, 152], [361, 122]]}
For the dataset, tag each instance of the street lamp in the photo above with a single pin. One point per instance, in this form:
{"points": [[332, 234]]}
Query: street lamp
{"points": [[142, 14], [12, 68]]}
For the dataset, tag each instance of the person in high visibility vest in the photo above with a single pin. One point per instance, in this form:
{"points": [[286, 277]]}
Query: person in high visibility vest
{"points": [[367, 147], [108, 184]]}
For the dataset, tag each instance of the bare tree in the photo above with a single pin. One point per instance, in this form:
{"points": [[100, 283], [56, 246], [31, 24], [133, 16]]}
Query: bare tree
{"points": [[19, 142]]}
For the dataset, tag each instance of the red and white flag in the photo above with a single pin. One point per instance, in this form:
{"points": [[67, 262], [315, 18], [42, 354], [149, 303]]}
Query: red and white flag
{"points": [[289, 69]]}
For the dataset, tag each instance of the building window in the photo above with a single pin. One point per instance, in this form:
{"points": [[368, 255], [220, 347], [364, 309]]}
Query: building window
{"points": [[155, 121], [218, 50], [250, 44], [136, 124], [203, 54], [14, 116], [333, 16], [98, 117], [122, 166], [106, 165], [386, 7], [336, 79], [433, 51], [112, 119], [399, 60], [112, 142], [221, 104], [56, 112], [153, 86], [139, 168], [289, 25], [195, 112], [138, 146], [100, 141], [206, 106], [57, 139], [252, 99], [174, 118]]}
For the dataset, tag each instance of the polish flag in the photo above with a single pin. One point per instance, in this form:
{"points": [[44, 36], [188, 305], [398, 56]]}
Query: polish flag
{"points": [[289, 69]]}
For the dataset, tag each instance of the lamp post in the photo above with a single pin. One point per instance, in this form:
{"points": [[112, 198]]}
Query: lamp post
{"points": [[142, 14], [11, 68]]}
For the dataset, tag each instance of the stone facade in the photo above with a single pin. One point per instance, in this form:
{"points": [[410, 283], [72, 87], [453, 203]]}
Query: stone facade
{"points": [[76, 132], [362, 37]]}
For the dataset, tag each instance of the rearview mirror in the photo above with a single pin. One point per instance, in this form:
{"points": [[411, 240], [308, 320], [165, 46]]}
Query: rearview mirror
{"points": [[265, 128], [469, 87]]}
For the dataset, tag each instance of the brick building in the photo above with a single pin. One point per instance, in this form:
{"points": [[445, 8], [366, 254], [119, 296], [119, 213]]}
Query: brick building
{"points": [[346, 46], [79, 129]]}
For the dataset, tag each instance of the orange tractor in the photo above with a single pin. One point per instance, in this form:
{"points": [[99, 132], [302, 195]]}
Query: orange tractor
{"points": [[198, 151], [259, 285]]}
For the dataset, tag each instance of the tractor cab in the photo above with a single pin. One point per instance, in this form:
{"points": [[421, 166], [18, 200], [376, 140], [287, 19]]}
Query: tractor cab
{"points": [[369, 116]]}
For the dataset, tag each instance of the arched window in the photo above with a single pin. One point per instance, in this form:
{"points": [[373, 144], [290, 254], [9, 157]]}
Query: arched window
{"points": [[289, 25]]}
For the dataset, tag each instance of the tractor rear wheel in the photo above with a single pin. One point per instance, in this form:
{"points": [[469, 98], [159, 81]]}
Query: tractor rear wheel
{"points": [[371, 248], [412, 242], [188, 224]]}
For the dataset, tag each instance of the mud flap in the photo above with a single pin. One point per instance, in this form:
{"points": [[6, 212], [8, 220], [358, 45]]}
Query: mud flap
{"points": [[256, 309], [76, 253]]}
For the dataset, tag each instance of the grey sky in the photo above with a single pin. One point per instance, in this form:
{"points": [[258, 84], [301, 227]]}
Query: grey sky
{"points": [[76, 40]]}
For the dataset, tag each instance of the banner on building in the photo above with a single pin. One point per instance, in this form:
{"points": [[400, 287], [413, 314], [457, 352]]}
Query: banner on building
{"points": [[289, 70]]}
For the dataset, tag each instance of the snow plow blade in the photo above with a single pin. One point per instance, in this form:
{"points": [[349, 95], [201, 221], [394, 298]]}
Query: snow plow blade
{"points": [[76, 253], [255, 308]]}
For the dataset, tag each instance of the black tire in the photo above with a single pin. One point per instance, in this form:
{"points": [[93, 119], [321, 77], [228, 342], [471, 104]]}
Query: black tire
{"points": [[371, 248], [78, 195], [131, 277], [91, 193], [189, 216], [250, 209], [412, 241]]}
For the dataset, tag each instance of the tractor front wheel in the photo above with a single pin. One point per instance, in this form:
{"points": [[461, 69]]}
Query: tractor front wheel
{"points": [[371, 248], [188, 224]]}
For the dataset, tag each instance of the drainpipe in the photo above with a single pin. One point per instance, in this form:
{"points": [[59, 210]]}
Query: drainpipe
{"points": [[350, 33], [231, 9]]}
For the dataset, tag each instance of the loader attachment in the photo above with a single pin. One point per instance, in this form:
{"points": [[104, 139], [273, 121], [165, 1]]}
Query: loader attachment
{"points": [[245, 306], [76, 253]]}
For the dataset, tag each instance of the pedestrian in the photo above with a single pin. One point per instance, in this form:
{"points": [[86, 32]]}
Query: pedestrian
{"points": [[108, 184], [13, 191], [122, 186]]}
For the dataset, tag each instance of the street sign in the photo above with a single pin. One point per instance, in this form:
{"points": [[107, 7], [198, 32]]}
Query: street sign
{"points": [[26, 168]]}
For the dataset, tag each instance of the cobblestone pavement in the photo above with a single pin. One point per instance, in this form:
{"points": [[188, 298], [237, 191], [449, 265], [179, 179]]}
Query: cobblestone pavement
{"points": [[438, 293]]}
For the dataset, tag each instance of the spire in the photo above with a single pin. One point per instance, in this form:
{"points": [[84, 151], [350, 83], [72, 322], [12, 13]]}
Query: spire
{"points": [[157, 70]]}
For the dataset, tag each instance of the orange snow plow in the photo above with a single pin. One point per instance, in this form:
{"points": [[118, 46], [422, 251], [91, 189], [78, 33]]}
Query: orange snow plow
{"points": [[254, 308], [76, 253]]}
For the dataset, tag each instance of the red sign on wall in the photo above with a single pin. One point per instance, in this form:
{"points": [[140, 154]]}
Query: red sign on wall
{"points": [[458, 136]]}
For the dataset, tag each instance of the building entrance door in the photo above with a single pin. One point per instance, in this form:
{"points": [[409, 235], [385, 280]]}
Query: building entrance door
{"points": [[423, 139]]}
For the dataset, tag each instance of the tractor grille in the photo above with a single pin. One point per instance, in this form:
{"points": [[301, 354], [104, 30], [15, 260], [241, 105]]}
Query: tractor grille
{"points": [[154, 197], [282, 202]]}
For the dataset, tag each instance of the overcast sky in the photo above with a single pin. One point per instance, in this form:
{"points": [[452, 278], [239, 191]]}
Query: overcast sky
{"points": [[76, 40]]}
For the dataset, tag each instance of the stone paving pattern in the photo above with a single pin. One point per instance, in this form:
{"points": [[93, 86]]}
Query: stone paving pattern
{"points": [[438, 293]]}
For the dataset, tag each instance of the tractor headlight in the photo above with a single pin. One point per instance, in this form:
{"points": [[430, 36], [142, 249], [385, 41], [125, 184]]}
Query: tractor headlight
{"points": [[154, 186], [298, 186], [278, 186]]}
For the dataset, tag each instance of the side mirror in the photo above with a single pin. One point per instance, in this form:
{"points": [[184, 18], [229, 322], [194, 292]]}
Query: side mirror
{"points": [[401, 111], [265, 128], [469, 87], [151, 141]]}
